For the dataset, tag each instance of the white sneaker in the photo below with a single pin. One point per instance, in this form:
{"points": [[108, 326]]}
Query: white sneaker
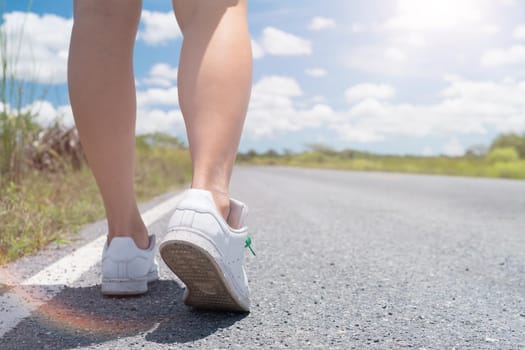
{"points": [[207, 253], [127, 269]]}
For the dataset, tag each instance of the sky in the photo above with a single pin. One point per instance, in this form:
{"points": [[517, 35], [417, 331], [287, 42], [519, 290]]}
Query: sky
{"points": [[421, 77]]}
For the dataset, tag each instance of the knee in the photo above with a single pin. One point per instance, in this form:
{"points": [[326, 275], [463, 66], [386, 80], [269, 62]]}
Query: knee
{"points": [[112, 12], [190, 11]]}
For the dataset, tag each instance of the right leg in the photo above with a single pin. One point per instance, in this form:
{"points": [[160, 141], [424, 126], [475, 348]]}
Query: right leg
{"points": [[215, 77], [214, 88]]}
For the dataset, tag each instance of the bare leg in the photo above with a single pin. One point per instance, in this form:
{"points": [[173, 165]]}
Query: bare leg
{"points": [[102, 92], [215, 77]]}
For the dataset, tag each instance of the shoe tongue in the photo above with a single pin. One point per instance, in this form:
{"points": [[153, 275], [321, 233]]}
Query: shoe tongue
{"points": [[237, 216]]}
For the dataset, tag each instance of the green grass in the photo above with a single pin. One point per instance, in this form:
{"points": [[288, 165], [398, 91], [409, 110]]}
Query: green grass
{"points": [[51, 207], [46, 194], [463, 166]]}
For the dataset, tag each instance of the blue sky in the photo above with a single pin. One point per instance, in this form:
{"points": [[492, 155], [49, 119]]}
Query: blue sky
{"points": [[418, 77]]}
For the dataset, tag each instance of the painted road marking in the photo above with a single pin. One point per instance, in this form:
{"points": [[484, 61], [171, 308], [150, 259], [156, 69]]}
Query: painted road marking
{"points": [[19, 302]]}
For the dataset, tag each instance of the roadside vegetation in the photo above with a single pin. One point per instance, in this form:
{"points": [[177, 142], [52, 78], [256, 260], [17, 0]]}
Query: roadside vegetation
{"points": [[47, 191], [504, 158], [55, 194]]}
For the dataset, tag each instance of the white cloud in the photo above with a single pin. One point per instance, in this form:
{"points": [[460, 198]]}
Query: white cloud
{"points": [[500, 57], [159, 27], [490, 29], [394, 54], [507, 2], [148, 119], [320, 23], [419, 15], [158, 106], [157, 97], [353, 133], [273, 110], [365, 91], [277, 106], [46, 114], [154, 120], [277, 86], [358, 28], [377, 60], [414, 39], [423, 33], [44, 50], [519, 32], [316, 72], [466, 107], [257, 50], [161, 74], [277, 42], [453, 148], [318, 99]]}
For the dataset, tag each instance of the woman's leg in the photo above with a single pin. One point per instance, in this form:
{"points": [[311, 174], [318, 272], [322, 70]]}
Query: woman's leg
{"points": [[214, 80], [102, 92]]}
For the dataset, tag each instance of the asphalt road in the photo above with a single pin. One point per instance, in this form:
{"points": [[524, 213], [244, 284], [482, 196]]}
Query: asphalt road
{"points": [[348, 260]]}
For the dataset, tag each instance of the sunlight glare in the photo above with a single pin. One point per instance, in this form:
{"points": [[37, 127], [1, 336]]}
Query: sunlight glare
{"points": [[436, 14]]}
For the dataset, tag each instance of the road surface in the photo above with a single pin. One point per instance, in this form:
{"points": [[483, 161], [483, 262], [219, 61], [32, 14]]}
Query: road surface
{"points": [[349, 260]]}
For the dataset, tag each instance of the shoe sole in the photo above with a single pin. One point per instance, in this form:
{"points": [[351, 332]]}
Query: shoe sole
{"points": [[124, 287], [206, 285], [127, 287]]}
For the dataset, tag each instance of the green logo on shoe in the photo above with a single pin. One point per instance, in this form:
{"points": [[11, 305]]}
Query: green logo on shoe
{"points": [[248, 243]]}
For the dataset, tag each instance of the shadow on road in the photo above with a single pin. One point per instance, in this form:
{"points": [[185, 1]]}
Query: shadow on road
{"points": [[78, 317]]}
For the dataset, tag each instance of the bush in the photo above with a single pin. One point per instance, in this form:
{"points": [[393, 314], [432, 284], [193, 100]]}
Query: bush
{"points": [[503, 154], [510, 140], [55, 148], [16, 131], [514, 170], [477, 151]]}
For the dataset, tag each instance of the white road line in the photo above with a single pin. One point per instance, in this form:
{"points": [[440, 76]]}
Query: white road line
{"points": [[18, 304], [13, 309]]}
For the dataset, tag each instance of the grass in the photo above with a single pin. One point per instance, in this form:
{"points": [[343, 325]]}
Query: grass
{"points": [[46, 194], [17, 117], [51, 207], [460, 166]]}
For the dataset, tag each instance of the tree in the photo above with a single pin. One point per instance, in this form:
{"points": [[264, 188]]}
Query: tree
{"points": [[271, 153], [159, 139], [321, 148], [477, 151], [510, 140]]}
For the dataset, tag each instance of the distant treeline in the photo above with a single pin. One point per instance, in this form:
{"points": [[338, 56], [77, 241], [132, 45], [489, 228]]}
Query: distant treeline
{"points": [[512, 141], [504, 157]]}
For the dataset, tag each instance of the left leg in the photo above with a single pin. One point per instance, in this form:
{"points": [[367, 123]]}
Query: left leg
{"points": [[102, 93]]}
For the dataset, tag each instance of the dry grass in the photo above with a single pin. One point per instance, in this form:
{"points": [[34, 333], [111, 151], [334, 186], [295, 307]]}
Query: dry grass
{"points": [[50, 207]]}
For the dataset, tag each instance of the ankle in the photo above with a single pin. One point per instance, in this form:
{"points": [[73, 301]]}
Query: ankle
{"points": [[220, 197], [222, 202], [141, 239], [133, 228]]}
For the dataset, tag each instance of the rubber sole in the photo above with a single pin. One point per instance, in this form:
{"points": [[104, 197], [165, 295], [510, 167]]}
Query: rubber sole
{"points": [[124, 287], [127, 287], [206, 285]]}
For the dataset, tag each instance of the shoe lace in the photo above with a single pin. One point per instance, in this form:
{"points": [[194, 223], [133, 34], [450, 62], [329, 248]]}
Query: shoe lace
{"points": [[248, 244]]}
